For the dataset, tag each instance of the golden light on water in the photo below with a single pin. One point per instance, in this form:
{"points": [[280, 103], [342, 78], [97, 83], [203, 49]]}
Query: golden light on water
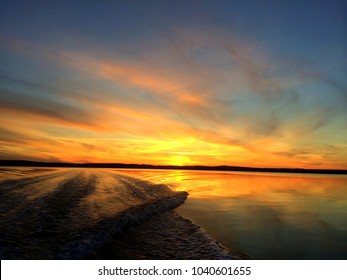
{"points": [[212, 184]]}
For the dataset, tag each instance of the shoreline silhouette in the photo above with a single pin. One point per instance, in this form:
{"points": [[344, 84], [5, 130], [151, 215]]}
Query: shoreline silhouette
{"points": [[26, 163]]}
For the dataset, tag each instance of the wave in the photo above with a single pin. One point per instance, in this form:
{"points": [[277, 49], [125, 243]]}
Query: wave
{"points": [[73, 214], [166, 235], [93, 238]]}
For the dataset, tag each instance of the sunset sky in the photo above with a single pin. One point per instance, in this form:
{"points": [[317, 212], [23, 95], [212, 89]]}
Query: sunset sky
{"points": [[247, 83]]}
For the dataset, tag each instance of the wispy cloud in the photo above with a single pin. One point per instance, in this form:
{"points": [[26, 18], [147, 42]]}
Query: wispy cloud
{"points": [[213, 98]]}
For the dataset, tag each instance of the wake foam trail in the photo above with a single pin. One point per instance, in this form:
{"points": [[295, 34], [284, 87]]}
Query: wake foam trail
{"points": [[165, 236], [103, 233], [70, 214], [37, 213], [73, 213]]}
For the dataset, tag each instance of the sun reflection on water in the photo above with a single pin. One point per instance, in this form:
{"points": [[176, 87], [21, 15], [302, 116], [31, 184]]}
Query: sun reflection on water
{"points": [[265, 215]]}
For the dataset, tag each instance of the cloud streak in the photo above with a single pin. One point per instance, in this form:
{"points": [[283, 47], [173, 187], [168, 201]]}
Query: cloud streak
{"points": [[210, 98]]}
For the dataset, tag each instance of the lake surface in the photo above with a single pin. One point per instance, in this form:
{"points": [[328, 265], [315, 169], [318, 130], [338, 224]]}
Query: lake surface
{"points": [[265, 215], [91, 213], [53, 213]]}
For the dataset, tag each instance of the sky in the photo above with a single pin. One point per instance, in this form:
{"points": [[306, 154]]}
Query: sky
{"points": [[245, 83]]}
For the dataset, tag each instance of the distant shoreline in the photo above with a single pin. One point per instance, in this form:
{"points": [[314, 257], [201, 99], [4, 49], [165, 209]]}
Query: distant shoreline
{"points": [[25, 163]]}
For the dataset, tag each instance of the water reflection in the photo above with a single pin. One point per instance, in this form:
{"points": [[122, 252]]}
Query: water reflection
{"points": [[265, 215]]}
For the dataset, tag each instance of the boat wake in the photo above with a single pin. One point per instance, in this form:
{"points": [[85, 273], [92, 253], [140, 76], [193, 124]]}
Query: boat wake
{"points": [[75, 213]]}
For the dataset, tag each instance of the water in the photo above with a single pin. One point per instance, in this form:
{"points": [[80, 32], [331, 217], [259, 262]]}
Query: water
{"points": [[265, 215], [95, 213], [72, 213]]}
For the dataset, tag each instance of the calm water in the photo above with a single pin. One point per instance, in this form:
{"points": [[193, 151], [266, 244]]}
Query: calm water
{"points": [[265, 215]]}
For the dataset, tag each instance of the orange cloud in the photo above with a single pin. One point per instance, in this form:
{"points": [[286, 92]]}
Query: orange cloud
{"points": [[210, 101]]}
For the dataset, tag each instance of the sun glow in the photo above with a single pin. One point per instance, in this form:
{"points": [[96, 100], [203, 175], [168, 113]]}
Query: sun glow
{"points": [[189, 98], [180, 160]]}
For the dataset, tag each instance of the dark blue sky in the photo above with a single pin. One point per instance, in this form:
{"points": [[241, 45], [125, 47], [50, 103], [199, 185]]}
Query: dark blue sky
{"points": [[299, 24]]}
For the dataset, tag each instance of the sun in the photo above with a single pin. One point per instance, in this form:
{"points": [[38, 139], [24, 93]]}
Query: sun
{"points": [[179, 160]]}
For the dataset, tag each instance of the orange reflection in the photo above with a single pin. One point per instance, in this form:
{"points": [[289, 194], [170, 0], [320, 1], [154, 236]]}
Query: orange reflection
{"points": [[210, 184]]}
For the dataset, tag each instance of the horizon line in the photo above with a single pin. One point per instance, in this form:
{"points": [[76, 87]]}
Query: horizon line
{"points": [[29, 163]]}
